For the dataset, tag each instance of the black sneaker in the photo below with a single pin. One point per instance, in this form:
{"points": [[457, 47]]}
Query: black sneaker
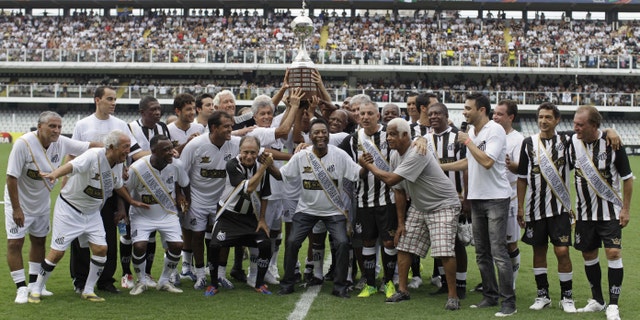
{"points": [[329, 275], [313, 281], [398, 296], [239, 275], [441, 290], [109, 288], [485, 303]]}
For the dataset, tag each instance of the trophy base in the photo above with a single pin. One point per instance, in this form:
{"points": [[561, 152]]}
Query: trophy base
{"points": [[300, 77]]}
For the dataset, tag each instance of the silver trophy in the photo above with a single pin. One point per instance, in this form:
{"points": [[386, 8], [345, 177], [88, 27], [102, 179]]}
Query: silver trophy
{"points": [[302, 66]]}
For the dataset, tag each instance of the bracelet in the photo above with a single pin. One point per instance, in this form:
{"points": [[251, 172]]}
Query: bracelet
{"points": [[467, 141]]}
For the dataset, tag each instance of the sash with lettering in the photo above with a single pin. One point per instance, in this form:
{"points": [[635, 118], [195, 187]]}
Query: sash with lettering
{"points": [[551, 175], [431, 144], [255, 201], [39, 156], [371, 148], [155, 187], [592, 175], [106, 177]]}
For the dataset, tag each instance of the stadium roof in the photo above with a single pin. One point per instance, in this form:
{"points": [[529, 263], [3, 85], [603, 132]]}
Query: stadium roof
{"points": [[537, 5]]}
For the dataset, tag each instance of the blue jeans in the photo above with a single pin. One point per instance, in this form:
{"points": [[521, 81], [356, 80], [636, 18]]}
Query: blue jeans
{"points": [[301, 226], [489, 221]]}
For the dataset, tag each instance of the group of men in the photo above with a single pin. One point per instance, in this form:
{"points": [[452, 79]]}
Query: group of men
{"points": [[212, 180]]}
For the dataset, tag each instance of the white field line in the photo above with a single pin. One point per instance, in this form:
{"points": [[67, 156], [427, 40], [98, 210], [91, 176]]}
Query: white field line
{"points": [[307, 298]]}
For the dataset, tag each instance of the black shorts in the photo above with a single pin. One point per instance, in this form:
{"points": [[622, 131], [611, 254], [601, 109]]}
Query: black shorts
{"points": [[233, 229], [590, 235], [556, 229], [375, 222]]}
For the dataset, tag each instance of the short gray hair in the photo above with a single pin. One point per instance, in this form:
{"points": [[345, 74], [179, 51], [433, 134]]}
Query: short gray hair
{"points": [[360, 99], [218, 97], [45, 116], [113, 138], [401, 125], [262, 101]]}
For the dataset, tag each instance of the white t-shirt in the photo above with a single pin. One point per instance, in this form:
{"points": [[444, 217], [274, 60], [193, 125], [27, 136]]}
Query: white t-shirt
{"points": [[514, 144], [33, 195], [168, 176], [179, 136], [84, 189], [205, 164], [313, 199], [93, 129], [492, 183]]}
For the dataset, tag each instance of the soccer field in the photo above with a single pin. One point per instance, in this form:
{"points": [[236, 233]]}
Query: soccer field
{"points": [[244, 303]]}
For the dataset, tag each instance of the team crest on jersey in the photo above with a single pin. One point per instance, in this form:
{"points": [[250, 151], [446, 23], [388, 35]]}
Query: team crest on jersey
{"points": [[560, 146], [96, 177], [451, 146], [55, 158], [616, 241], [578, 238], [529, 233], [193, 221], [307, 170], [602, 156], [227, 157], [13, 230], [482, 146], [170, 180], [205, 160], [564, 239], [331, 168], [59, 240], [221, 236], [358, 228]]}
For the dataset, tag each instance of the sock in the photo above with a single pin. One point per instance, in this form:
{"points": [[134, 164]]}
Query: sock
{"points": [[170, 264], [461, 280], [125, 255], [139, 264], [199, 272], [19, 278], [45, 272], [594, 275], [222, 270], [262, 262], [151, 252], [187, 257], [350, 266], [436, 263], [238, 255], [275, 247], [308, 266], [369, 258], [389, 261], [415, 265], [515, 262], [34, 271], [95, 270], [443, 276], [566, 284], [253, 262], [616, 274], [318, 260], [542, 282]]}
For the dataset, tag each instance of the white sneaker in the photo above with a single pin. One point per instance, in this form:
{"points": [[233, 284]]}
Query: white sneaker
{"points": [[22, 295], [612, 312], [169, 287], [225, 283], [138, 288], [275, 273], [127, 281], [568, 305], [436, 281], [415, 283], [592, 306], [174, 278], [200, 284], [44, 292], [270, 279], [540, 303], [150, 281]]}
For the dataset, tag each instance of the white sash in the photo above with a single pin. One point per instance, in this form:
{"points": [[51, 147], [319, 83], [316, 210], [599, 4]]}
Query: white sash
{"points": [[323, 177], [155, 187], [370, 147], [235, 193], [431, 145], [551, 175], [592, 175], [106, 177], [39, 156]]}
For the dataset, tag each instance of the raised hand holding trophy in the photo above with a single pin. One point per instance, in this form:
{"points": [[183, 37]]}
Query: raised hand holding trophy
{"points": [[302, 66]]}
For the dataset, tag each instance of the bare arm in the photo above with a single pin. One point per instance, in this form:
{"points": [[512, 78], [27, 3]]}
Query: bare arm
{"points": [[459, 165], [388, 178], [285, 85], [481, 157], [522, 189], [317, 79], [256, 178], [627, 191], [12, 188], [282, 131], [401, 209]]}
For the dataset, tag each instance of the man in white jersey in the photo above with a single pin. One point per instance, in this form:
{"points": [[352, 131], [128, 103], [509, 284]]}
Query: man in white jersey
{"points": [[93, 177], [505, 114], [433, 215], [602, 210], [204, 159], [204, 108], [322, 169], [94, 128], [27, 196], [490, 195], [184, 129], [156, 181]]}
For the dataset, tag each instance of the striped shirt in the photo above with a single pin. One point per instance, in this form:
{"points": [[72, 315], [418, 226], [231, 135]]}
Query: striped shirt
{"points": [[448, 150], [143, 134], [613, 167], [236, 174], [541, 202], [419, 130]]}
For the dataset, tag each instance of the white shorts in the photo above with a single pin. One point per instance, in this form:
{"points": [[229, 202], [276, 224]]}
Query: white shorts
{"points": [[69, 224], [37, 226], [198, 219], [273, 215], [513, 228], [288, 209], [167, 225]]}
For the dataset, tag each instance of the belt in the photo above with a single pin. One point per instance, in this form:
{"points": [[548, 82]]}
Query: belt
{"points": [[70, 205]]}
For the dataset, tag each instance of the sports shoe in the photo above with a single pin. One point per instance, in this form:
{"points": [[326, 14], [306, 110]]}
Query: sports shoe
{"points": [[239, 275], [592, 306], [263, 289], [127, 281], [200, 284], [150, 281], [313, 282], [436, 281], [484, 303], [567, 305], [91, 297], [270, 279], [367, 291], [452, 304], [211, 291], [188, 275], [415, 283], [22, 295], [329, 275], [175, 278], [43, 293], [441, 290], [251, 279], [541, 303], [225, 283], [138, 288], [169, 287], [34, 297], [361, 283], [506, 312], [389, 289], [398, 296], [612, 312]]}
